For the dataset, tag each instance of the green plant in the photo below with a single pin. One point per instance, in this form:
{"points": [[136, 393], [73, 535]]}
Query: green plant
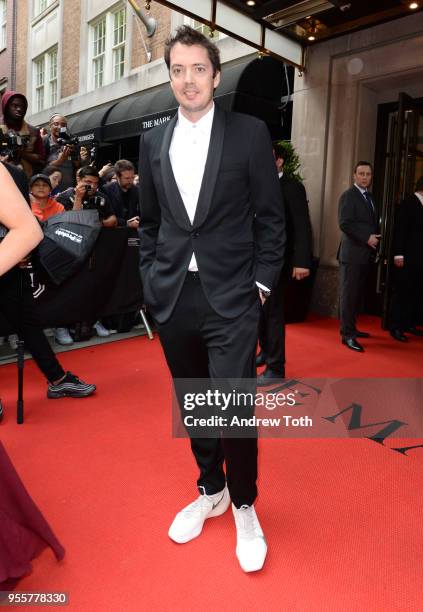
{"points": [[292, 163]]}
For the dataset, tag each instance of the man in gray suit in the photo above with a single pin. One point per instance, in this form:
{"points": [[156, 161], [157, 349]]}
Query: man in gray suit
{"points": [[359, 226]]}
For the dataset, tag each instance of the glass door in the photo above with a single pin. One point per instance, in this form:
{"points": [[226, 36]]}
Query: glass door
{"points": [[403, 166]]}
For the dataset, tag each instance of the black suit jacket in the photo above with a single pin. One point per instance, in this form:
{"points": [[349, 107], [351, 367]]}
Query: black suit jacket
{"points": [[238, 233], [298, 226], [408, 233], [357, 222]]}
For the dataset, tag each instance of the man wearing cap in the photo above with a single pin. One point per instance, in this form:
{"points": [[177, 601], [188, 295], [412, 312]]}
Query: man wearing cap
{"points": [[42, 205], [31, 154]]}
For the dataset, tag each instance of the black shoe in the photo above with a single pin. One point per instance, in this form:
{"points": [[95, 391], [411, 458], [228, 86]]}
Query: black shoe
{"points": [[70, 386], [260, 359], [359, 334], [397, 334], [413, 330], [270, 377], [352, 344]]}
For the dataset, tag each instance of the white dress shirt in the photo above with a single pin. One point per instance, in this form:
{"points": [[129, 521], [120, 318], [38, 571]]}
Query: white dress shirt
{"points": [[188, 154]]}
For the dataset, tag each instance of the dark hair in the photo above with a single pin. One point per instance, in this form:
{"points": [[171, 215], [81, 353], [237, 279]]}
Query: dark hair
{"points": [[49, 170], [188, 36], [87, 171], [122, 165], [280, 151], [362, 163]]}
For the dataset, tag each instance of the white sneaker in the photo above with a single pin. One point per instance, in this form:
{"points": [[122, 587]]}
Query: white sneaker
{"points": [[188, 523], [13, 341], [101, 330], [62, 336], [251, 547]]}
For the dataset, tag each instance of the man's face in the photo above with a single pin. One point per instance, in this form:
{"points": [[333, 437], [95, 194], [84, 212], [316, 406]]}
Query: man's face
{"points": [[126, 179], [56, 123], [40, 189], [16, 108], [91, 181], [192, 80], [363, 176]]}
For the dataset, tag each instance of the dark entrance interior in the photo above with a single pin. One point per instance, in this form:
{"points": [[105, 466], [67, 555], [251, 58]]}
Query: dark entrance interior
{"points": [[398, 165]]}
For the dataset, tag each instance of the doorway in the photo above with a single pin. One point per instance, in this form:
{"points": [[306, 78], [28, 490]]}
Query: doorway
{"points": [[398, 165]]}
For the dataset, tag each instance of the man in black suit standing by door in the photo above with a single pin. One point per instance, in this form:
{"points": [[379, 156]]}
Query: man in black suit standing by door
{"points": [[297, 266], [212, 240], [360, 239], [408, 259]]}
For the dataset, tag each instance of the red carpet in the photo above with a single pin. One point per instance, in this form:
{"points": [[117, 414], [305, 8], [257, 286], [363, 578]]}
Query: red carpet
{"points": [[343, 518]]}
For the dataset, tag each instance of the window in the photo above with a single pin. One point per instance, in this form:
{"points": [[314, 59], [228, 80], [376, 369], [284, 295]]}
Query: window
{"points": [[41, 5], [52, 61], [99, 48], [108, 39], [119, 36], [204, 29], [45, 80], [3, 19]]}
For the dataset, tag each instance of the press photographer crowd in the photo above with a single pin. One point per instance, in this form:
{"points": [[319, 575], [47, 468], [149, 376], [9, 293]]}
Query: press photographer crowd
{"points": [[56, 173]]}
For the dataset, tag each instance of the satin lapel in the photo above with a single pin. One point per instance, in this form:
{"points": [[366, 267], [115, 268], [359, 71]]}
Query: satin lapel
{"points": [[211, 168], [175, 202]]}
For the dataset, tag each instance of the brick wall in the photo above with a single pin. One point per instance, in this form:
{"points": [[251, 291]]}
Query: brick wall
{"points": [[163, 17], [22, 46], [70, 48]]}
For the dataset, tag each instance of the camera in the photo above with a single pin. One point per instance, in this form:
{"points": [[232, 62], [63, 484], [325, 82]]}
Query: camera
{"points": [[74, 142], [10, 143], [94, 202], [65, 138]]}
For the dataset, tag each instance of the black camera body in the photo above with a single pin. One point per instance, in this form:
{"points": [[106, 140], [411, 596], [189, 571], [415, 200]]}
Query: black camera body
{"points": [[94, 202], [11, 143], [66, 139]]}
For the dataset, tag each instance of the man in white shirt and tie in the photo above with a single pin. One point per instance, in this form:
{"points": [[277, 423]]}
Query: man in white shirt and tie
{"points": [[212, 242]]}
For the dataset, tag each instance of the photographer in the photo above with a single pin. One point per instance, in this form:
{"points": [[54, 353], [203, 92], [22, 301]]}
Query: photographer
{"points": [[29, 150], [63, 157], [19, 309], [86, 196]]}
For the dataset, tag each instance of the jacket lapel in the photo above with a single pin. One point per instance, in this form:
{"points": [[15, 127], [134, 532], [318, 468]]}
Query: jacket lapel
{"points": [[211, 168], [176, 204]]}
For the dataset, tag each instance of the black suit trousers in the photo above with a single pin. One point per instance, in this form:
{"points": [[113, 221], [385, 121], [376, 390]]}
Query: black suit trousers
{"points": [[272, 327], [352, 283], [198, 343], [406, 297]]}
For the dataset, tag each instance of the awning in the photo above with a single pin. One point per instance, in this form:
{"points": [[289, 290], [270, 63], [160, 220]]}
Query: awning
{"points": [[237, 23], [88, 124], [253, 87]]}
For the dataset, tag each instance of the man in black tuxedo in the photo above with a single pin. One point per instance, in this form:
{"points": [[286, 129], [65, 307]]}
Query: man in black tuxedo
{"points": [[359, 226], [408, 260], [297, 266], [212, 240]]}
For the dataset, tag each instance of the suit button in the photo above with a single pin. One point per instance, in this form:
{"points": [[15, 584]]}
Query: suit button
{"points": [[195, 234]]}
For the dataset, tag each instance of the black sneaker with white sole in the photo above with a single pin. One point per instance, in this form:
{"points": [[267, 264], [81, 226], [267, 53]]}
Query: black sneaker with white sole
{"points": [[70, 386]]}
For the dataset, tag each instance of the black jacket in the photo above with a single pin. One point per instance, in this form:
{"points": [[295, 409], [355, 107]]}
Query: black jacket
{"points": [[122, 210], [408, 232], [298, 226], [357, 222], [238, 233]]}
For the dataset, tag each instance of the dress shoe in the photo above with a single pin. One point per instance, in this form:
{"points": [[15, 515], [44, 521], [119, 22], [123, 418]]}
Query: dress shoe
{"points": [[260, 359], [188, 523], [397, 334], [269, 377], [360, 334], [416, 332], [352, 344], [251, 547]]}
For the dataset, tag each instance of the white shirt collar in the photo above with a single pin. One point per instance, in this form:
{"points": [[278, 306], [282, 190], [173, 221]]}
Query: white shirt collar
{"points": [[204, 124], [361, 190], [280, 174], [420, 197]]}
